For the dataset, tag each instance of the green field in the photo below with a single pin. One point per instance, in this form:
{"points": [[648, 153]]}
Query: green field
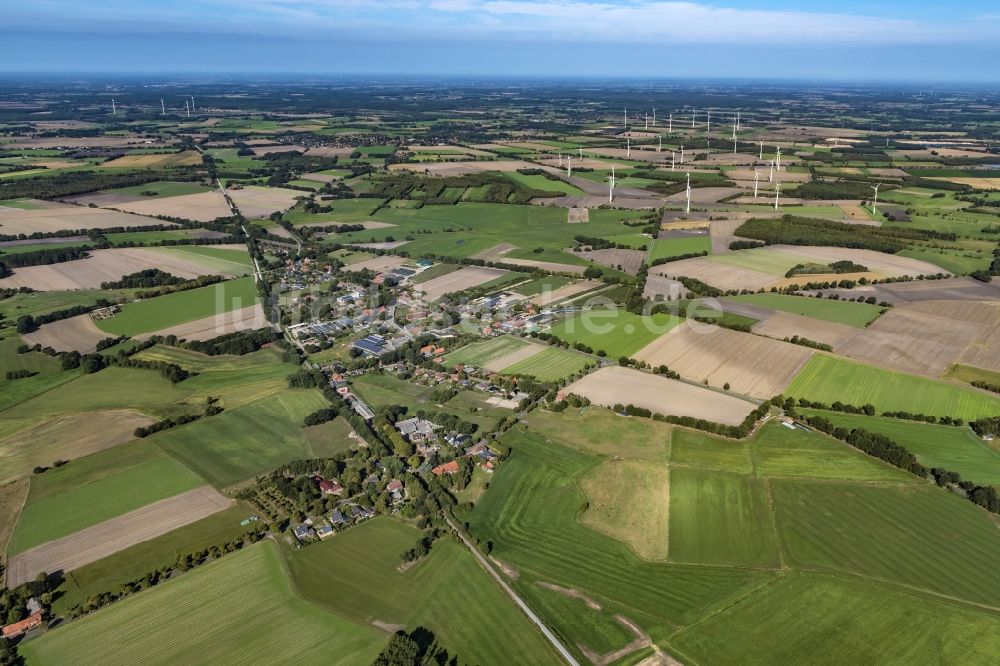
{"points": [[828, 379], [618, 332], [162, 188], [549, 365], [356, 575], [955, 449], [237, 609], [50, 516], [164, 311], [221, 260], [242, 443], [674, 247], [773, 263], [539, 182], [841, 312], [550, 283], [602, 432], [881, 532], [478, 354], [820, 619]]}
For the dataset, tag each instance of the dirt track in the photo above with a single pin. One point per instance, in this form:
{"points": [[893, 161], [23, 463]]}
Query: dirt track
{"points": [[97, 542]]}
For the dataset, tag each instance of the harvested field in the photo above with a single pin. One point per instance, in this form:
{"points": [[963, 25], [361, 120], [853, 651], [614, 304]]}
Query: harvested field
{"points": [[248, 318], [752, 365], [578, 215], [325, 151], [780, 325], [657, 285], [572, 289], [516, 356], [459, 280], [722, 233], [102, 266], [76, 333], [928, 337], [59, 216], [111, 536], [718, 275], [546, 265], [628, 261], [615, 385], [378, 264], [85, 142], [202, 207], [155, 161], [255, 202], [978, 183], [66, 437], [889, 265], [953, 289], [104, 199], [701, 195]]}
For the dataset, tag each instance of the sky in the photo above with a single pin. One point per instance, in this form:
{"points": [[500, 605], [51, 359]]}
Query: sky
{"points": [[848, 40]]}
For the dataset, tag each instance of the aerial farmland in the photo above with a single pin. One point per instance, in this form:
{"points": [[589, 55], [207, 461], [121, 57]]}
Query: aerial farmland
{"points": [[492, 374]]}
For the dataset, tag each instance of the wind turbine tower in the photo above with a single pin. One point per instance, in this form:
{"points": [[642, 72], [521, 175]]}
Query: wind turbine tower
{"points": [[777, 193], [611, 185], [670, 128], [580, 151], [682, 153], [654, 116], [569, 166], [628, 147], [163, 108], [659, 143], [756, 177], [693, 114], [192, 103], [708, 125], [761, 157], [687, 207], [672, 160], [770, 176], [875, 200], [777, 160], [646, 126], [626, 117], [187, 108], [114, 110]]}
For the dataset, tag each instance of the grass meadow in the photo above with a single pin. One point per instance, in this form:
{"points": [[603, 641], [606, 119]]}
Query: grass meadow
{"points": [[617, 332], [841, 312]]}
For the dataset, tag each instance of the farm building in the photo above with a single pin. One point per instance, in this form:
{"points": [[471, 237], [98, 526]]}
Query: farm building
{"points": [[330, 487], [372, 345], [19, 628]]}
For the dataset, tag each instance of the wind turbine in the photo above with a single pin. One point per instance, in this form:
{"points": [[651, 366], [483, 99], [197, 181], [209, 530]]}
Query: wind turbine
{"points": [[628, 147], [777, 161], [777, 192], [670, 128], [770, 176], [682, 153], [734, 136], [654, 116], [659, 143], [192, 103], [756, 177], [569, 166], [761, 157], [560, 159], [687, 208], [708, 126], [875, 200], [580, 150], [626, 117], [646, 127], [737, 121], [163, 109], [114, 111], [187, 108], [693, 113], [672, 160], [611, 185]]}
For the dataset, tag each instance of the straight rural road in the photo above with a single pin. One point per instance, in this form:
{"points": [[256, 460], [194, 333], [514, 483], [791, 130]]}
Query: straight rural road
{"points": [[556, 643]]}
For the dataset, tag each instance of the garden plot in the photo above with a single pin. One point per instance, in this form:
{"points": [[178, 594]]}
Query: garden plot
{"points": [[54, 216], [750, 364], [617, 385], [97, 542], [460, 280], [102, 266]]}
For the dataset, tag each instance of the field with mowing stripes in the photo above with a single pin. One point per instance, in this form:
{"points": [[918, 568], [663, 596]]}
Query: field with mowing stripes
{"points": [[828, 379], [549, 365], [356, 575], [479, 354], [618, 332], [238, 609]]}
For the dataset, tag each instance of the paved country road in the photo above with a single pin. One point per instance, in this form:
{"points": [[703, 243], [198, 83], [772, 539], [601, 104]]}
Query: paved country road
{"points": [[560, 648]]}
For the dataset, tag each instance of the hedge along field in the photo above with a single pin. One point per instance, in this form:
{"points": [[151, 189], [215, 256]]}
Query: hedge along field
{"points": [[618, 332], [356, 575], [238, 609], [918, 535], [955, 449], [828, 379], [819, 619], [827, 309], [156, 313]]}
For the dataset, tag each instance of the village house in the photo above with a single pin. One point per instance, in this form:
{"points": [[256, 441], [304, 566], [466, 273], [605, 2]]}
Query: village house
{"points": [[448, 468], [20, 628], [395, 488], [303, 532], [324, 531], [330, 487]]}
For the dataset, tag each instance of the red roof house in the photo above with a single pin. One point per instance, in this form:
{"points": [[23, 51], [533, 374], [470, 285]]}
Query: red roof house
{"points": [[447, 468], [18, 628]]}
